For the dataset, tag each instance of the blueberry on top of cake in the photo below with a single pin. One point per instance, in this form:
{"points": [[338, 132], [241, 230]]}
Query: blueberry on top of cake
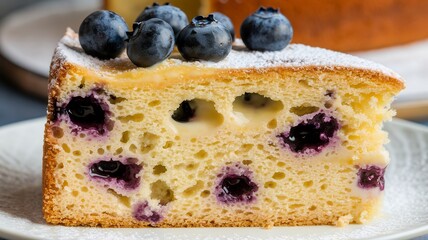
{"points": [[170, 14]]}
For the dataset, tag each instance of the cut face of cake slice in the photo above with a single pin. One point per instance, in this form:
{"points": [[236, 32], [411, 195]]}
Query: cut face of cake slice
{"points": [[292, 137]]}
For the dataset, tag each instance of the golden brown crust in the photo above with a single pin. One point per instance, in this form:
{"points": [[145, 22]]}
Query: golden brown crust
{"points": [[58, 72], [378, 79], [106, 220], [49, 163]]}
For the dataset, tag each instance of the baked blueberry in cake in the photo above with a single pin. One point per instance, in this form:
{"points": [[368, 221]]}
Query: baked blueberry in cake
{"points": [[212, 134]]}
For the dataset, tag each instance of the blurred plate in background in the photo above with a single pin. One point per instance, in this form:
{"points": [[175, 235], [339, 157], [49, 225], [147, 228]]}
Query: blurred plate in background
{"points": [[411, 62], [28, 38]]}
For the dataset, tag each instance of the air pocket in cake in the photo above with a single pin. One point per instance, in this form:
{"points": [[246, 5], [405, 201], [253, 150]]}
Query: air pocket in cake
{"points": [[196, 117], [253, 108], [235, 184], [117, 174], [311, 134], [87, 114]]}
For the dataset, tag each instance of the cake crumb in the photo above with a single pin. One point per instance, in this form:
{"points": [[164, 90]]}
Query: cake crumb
{"points": [[363, 217], [344, 221]]}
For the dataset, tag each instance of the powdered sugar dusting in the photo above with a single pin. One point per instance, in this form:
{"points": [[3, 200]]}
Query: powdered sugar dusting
{"points": [[294, 55], [69, 49]]}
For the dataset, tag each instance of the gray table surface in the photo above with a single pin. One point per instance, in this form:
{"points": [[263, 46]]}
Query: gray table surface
{"points": [[16, 106]]}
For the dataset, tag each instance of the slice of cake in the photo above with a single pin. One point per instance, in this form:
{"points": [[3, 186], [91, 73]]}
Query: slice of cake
{"points": [[292, 137]]}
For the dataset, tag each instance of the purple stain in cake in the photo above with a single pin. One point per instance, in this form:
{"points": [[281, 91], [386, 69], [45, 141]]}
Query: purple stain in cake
{"points": [[143, 212], [371, 177], [235, 185], [88, 113], [238, 187], [114, 172], [310, 135]]}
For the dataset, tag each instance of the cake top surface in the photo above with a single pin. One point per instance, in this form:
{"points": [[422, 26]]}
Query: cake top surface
{"points": [[293, 56]]}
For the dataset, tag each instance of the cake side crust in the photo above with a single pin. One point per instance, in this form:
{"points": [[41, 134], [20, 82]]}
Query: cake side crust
{"points": [[58, 71], [106, 220]]}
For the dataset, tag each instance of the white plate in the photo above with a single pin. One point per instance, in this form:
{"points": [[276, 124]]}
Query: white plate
{"points": [[405, 212], [28, 37]]}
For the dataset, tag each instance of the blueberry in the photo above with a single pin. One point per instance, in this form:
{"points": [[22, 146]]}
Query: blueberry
{"points": [[106, 169], [151, 42], [86, 112], [143, 212], [310, 134], [227, 23], [371, 177], [185, 112], [255, 100], [116, 171], [102, 34], [266, 30], [236, 186], [170, 14], [204, 39]]}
